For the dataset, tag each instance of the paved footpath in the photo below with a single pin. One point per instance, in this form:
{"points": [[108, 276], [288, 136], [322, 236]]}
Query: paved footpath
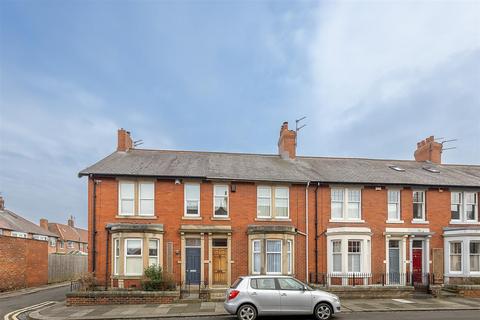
{"points": [[61, 311]]}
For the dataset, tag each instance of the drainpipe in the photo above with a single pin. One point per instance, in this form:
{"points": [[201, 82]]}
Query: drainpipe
{"points": [[106, 255], [316, 229], [94, 225], [306, 231]]}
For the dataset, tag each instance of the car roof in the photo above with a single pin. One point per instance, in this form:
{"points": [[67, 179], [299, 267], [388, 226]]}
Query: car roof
{"points": [[264, 276]]}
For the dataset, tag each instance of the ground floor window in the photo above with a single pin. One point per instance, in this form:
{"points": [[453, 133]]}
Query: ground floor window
{"points": [[354, 255], [455, 256], [133, 257], [256, 252], [475, 256], [153, 252], [272, 256], [462, 258], [348, 253]]}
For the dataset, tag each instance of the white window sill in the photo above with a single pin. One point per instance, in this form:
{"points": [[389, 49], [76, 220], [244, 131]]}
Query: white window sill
{"points": [[220, 218], [463, 222], [272, 219], [346, 221], [420, 222], [395, 221], [192, 218], [135, 217]]}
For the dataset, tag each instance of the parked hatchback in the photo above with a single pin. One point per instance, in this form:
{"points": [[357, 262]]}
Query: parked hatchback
{"points": [[253, 296]]}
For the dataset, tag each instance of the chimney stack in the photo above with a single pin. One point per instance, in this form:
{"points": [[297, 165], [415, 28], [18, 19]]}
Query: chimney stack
{"points": [[429, 150], [287, 142], [71, 222], [44, 223], [2, 203], [125, 142]]}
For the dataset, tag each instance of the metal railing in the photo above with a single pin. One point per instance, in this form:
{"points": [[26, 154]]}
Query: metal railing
{"points": [[188, 288], [416, 279]]}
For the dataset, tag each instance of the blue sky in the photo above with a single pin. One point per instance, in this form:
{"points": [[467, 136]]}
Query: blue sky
{"points": [[373, 78]]}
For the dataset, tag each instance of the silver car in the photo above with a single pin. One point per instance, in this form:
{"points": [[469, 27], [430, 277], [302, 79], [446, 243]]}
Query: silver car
{"points": [[254, 296]]}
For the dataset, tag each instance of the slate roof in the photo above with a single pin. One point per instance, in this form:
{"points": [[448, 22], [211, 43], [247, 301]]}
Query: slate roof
{"points": [[265, 167], [65, 232], [12, 221]]}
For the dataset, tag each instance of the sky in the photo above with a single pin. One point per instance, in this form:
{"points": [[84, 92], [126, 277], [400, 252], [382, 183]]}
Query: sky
{"points": [[372, 77]]}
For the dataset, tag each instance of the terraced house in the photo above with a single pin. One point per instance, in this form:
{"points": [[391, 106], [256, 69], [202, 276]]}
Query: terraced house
{"points": [[209, 217]]}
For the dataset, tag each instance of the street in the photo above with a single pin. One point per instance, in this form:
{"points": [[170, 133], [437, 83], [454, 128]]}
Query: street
{"points": [[15, 302], [407, 315]]}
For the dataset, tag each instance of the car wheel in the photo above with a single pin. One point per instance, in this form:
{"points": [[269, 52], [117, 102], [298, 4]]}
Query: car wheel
{"points": [[247, 312], [323, 311]]}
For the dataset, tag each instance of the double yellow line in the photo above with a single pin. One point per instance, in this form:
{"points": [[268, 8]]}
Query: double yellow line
{"points": [[14, 314]]}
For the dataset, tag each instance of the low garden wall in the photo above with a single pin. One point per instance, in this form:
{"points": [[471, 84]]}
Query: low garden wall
{"points": [[370, 292], [121, 297], [465, 290]]}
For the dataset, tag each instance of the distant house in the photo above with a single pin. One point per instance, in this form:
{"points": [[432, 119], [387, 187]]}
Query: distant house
{"points": [[13, 225], [70, 238]]}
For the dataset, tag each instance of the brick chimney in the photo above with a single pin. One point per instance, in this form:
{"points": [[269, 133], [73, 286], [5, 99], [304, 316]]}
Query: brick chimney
{"points": [[44, 223], [125, 142], [287, 144], [2, 203], [429, 150], [71, 222]]}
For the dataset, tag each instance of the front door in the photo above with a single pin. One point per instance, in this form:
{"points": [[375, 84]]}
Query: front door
{"points": [[192, 270], [394, 261], [417, 262], [219, 263]]}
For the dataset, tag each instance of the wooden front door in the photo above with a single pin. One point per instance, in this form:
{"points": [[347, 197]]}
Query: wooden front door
{"points": [[219, 263]]}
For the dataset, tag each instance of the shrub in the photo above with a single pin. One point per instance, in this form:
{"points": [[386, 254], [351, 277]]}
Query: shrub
{"points": [[157, 280], [87, 282]]}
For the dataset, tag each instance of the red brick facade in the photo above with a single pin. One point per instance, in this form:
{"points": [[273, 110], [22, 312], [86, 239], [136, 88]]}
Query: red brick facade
{"points": [[23, 263]]}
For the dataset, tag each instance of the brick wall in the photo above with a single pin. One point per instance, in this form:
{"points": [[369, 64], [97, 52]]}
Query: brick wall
{"points": [[120, 297], [23, 263]]}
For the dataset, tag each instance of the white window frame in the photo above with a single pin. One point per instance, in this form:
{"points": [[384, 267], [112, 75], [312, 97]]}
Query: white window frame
{"points": [[126, 255], [121, 183], [346, 192], [52, 242], [289, 256], [40, 237], [215, 196], [398, 217], [475, 203], [359, 254], [158, 252], [462, 204], [462, 262], [288, 201], [269, 188], [254, 253], [275, 252], [152, 199], [336, 253], [116, 256], [19, 234], [191, 184], [424, 201], [475, 272]]}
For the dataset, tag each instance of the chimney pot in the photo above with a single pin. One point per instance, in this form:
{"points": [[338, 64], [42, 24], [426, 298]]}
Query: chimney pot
{"points": [[2, 203], [124, 142], [287, 142], [429, 150], [44, 223], [71, 222]]}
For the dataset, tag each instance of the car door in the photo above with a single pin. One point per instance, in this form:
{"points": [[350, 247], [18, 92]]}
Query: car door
{"points": [[294, 299], [265, 295]]}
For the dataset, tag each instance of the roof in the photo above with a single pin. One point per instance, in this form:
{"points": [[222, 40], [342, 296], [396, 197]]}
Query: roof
{"points": [[265, 167], [68, 233], [12, 221]]}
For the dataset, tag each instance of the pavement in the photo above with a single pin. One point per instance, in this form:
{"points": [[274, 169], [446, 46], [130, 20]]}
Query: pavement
{"points": [[16, 300], [215, 309]]}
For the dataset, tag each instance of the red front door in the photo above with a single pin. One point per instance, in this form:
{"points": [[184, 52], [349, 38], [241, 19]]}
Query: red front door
{"points": [[417, 265]]}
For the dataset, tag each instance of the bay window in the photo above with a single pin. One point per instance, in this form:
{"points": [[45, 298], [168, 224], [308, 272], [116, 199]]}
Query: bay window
{"points": [[256, 256], [116, 261], [474, 256], [136, 198], [153, 252], [133, 257], [289, 256], [220, 193], [192, 199], [337, 256], [419, 205], [455, 256], [393, 205], [354, 255], [274, 256], [345, 204]]}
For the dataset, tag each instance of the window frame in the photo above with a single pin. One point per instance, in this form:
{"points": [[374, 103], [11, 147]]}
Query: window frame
{"points": [[475, 272], [456, 254], [275, 197], [259, 253], [269, 188], [462, 205], [121, 183], [474, 203], [19, 234], [158, 252], [424, 201], [215, 196], [345, 204], [270, 252], [339, 253], [185, 212], [116, 256], [397, 203], [140, 211], [289, 256], [126, 256], [52, 242], [359, 254]]}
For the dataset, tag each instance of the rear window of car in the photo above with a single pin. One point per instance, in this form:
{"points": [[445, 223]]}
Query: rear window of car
{"points": [[236, 283], [263, 283]]}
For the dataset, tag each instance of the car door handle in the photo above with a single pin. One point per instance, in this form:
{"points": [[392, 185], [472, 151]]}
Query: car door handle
{"points": [[254, 293], [283, 294]]}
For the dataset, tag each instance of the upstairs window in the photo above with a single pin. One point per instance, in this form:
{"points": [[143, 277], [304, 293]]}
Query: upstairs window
{"points": [[393, 205], [272, 197], [264, 202], [419, 205], [220, 200], [463, 207], [18, 234], [136, 198], [346, 204], [192, 199], [281, 202]]}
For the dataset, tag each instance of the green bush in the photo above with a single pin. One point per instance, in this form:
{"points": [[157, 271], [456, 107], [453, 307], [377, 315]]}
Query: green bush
{"points": [[156, 280]]}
